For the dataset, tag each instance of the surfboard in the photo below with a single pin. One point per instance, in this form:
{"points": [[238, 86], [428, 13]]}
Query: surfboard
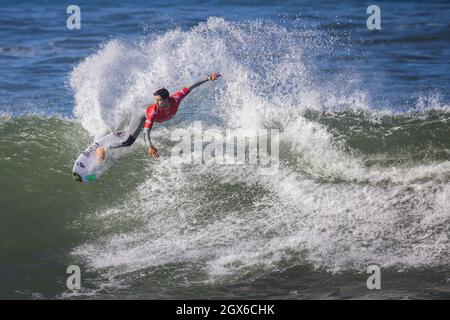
{"points": [[88, 167]]}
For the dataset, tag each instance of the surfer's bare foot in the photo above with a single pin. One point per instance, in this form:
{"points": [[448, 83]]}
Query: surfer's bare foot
{"points": [[101, 152]]}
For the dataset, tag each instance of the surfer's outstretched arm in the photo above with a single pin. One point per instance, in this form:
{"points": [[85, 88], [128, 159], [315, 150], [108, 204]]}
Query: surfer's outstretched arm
{"points": [[152, 151], [148, 140], [213, 76]]}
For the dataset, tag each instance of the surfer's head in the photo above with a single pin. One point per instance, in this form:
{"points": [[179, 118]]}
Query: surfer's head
{"points": [[162, 97]]}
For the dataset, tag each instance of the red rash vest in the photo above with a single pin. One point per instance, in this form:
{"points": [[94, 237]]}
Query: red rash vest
{"points": [[156, 114]]}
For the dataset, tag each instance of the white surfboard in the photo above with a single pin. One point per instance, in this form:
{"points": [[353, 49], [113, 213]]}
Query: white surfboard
{"points": [[88, 167]]}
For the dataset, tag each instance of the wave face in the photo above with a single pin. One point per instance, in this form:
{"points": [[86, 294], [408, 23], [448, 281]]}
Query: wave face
{"points": [[358, 184], [355, 186]]}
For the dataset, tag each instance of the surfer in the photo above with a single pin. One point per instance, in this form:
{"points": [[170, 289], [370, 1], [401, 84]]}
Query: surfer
{"points": [[165, 108]]}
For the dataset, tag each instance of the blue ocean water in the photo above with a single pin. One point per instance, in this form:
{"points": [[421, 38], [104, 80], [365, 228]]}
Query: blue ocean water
{"points": [[407, 59], [364, 152]]}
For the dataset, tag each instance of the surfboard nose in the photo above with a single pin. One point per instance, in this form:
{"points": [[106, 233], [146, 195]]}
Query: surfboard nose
{"points": [[77, 177]]}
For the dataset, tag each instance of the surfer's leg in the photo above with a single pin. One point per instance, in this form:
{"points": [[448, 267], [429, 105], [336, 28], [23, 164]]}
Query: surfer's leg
{"points": [[135, 127]]}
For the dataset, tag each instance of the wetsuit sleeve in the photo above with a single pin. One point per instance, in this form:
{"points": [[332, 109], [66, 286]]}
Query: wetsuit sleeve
{"points": [[147, 128], [197, 84], [148, 140]]}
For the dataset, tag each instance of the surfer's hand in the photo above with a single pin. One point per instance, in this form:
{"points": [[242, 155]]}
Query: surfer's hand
{"points": [[152, 152], [214, 76], [101, 152]]}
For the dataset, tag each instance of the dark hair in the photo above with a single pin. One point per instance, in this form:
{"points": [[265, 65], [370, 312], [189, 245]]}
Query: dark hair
{"points": [[163, 93]]}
